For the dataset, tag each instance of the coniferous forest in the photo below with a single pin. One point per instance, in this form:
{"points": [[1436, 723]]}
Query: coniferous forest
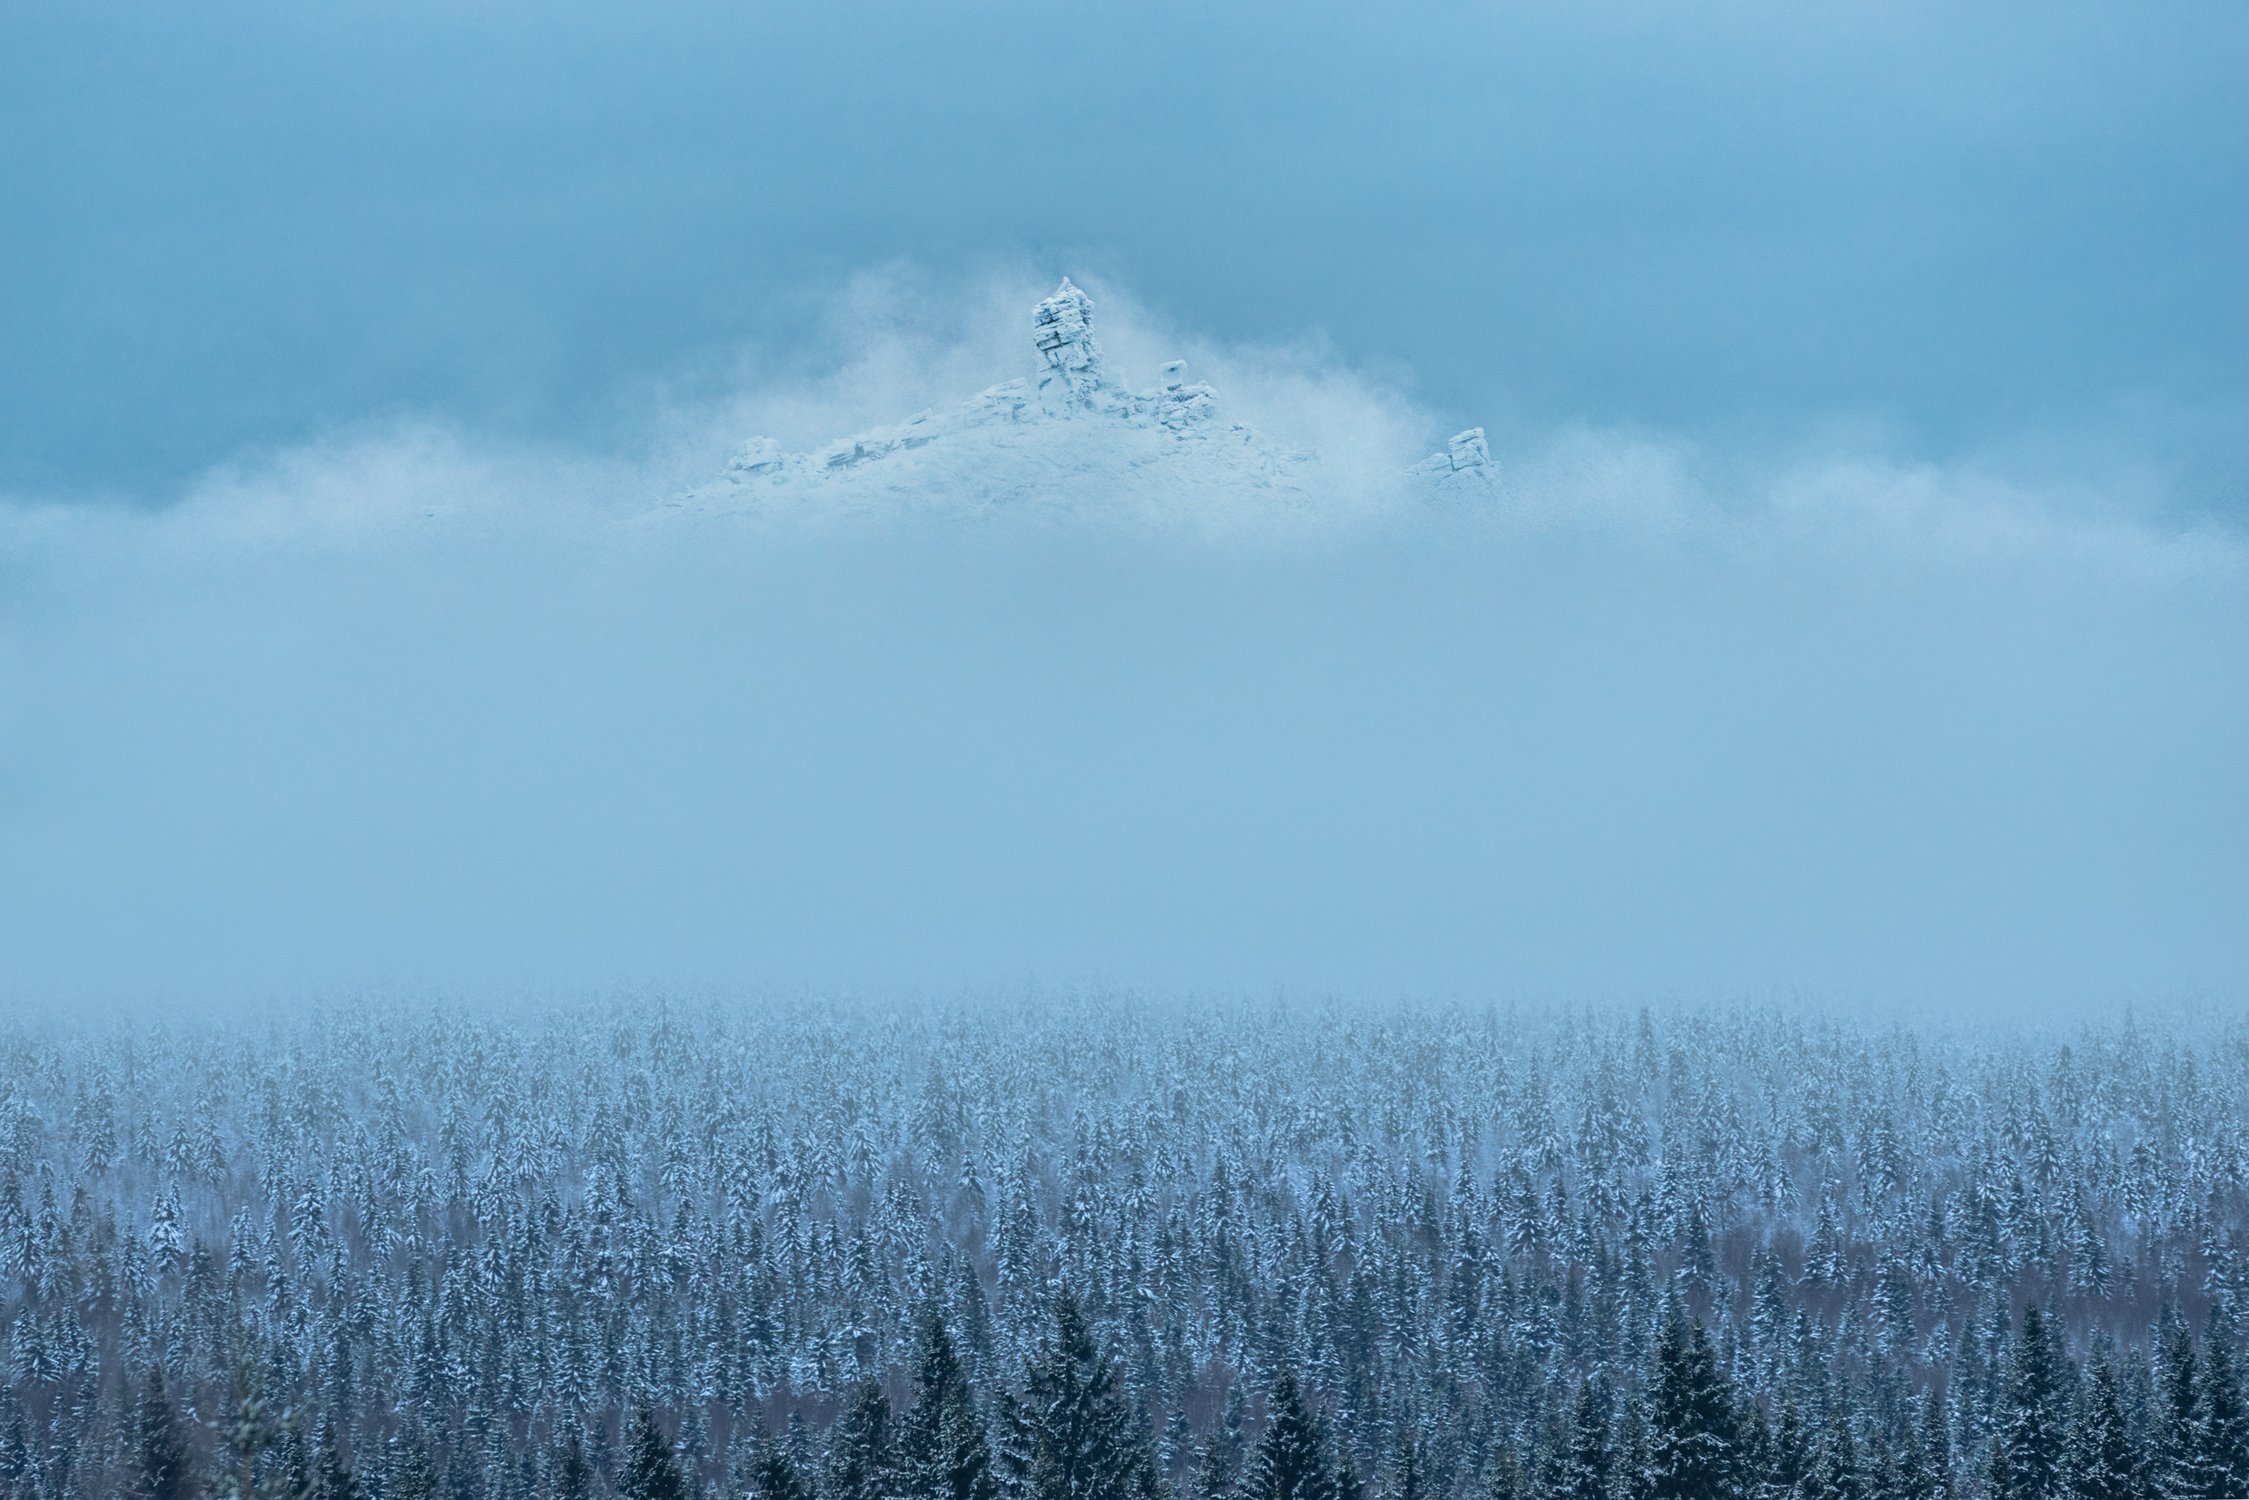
{"points": [[1093, 1248]]}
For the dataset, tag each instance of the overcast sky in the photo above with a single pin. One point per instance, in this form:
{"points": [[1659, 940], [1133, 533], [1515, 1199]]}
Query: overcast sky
{"points": [[1943, 228], [1865, 612]]}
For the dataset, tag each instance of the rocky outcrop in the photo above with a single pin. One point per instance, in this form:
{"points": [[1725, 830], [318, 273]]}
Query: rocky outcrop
{"points": [[1073, 419], [1465, 468], [1062, 328]]}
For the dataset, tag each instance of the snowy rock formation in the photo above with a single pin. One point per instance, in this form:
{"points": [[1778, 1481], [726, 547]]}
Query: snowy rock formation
{"points": [[1465, 469], [1073, 431], [1062, 327]]}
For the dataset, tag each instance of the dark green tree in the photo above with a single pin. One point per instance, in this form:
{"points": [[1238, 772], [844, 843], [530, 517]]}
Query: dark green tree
{"points": [[161, 1460], [263, 1451], [332, 1476], [1587, 1468], [1836, 1473], [943, 1450], [412, 1477], [774, 1475], [652, 1469], [1693, 1437], [2221, 1425], [1503, 1476], [1791, 1459], [1408, 1478], [2103, 1461], [2178, 1410], [298, 1460], [1935, 1447], [1012, 1445], [2033, 1434], [1212, 1476], [1075, 1435], [1904, 1475], [572, 1475], [860, 1454], [1291, 1461], [1756, 1453]]}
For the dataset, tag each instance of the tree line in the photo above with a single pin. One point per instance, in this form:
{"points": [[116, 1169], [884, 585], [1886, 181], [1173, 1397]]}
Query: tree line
{"points": [[1109, 1248]]}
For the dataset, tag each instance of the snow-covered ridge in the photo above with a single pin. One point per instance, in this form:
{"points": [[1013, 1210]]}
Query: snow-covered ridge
{"points": [[1051, 438]]}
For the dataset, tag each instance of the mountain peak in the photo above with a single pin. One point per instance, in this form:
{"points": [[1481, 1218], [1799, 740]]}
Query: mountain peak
{"points": [[1053, 437]]}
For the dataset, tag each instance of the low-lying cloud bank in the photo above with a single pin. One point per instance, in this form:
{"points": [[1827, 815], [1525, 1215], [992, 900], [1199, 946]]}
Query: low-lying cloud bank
{"points": [[405, 706]]}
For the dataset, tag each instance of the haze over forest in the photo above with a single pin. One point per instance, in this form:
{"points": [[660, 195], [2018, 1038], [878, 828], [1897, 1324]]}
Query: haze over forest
{"points": [[1861, 613], [888, 752]]}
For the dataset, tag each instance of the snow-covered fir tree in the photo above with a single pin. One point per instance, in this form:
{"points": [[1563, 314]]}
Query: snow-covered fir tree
{"points": [[1078, 1247]]}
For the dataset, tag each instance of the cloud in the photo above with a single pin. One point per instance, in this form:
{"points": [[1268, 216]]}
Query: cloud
{"points": [[416, 704], [899, 340], [1739, 218]]}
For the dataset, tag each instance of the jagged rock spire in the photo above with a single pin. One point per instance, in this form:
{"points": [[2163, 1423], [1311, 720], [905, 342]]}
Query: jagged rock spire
{"points": [[1062, 327]]}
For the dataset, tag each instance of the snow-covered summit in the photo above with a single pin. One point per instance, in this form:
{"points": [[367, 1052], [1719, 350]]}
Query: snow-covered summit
{"points": [[1072, 432]]}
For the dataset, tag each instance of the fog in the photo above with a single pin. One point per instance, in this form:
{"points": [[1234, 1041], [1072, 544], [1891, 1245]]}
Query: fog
{"points": [[242, 224], [419, 708]]}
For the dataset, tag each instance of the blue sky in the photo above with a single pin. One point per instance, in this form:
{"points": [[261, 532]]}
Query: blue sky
{"points": [[1944, 228]]}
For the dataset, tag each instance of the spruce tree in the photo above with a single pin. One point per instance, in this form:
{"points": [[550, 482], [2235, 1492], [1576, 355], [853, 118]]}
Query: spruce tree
{"points": [[1503, 1476], [1212, 1475], [1013, 1445], [294, 1479], [1291, 1460], [1756, 1454], [652, 1470], [1905, 1471], [775, 1475], [573, 1476], [1076, 1435], [1628, 1446], [1836, 1473], [257, 1443], [1177, 1447], [411, 1475], [1408, 1479], [2179, 1406], [1789, 1470], [2221, 1426], [1586, 1469], [943, 1450], [860, 1455], [2034, 1418], [1935, 1447], [160, 1453], [1693, 1436], [332, 1477], [2103, 1461]]}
